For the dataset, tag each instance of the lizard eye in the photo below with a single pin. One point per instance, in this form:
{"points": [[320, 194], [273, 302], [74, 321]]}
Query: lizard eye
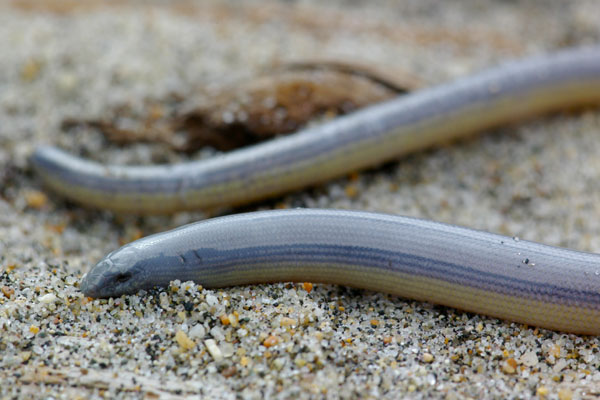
{"points": [[123, 277]]}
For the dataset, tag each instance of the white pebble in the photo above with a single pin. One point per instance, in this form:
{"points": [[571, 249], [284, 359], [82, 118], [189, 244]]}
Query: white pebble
{"points": [[242, 332], [197, 332], [211, 300], [213, 349], [48, 298], [217, 333], [12, 361], [279, 363], [529, 359], [227, 349], [560, 364]]}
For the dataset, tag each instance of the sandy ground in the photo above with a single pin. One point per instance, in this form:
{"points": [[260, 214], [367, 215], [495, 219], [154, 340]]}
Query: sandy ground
{"points": [[537, 180]]}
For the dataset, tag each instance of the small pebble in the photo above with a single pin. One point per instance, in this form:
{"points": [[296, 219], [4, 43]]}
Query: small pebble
{"points": [[529, 359], [35, 199], [213, 349], [560, 365], [300, 362], [31, 70], [279, 363], [233, 320], [285, 321], [271, 341], [211, 300], [48, 298], [184, 341], [217, 333], [565, 394], [229, 372], [509, 366], [227, 349], [7, 291], [197, 332], [351, 191]]}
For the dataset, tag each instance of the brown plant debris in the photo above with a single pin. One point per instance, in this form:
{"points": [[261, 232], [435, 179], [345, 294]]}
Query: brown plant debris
{"points": [[281, 102]]}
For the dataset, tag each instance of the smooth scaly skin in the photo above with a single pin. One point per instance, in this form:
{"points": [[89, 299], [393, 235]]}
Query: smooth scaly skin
{"points": [[476, 271], [366, 138], [472, 270]]}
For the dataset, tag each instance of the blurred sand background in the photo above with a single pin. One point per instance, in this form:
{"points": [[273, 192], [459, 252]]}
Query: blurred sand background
{"points": [[538, 180]]}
